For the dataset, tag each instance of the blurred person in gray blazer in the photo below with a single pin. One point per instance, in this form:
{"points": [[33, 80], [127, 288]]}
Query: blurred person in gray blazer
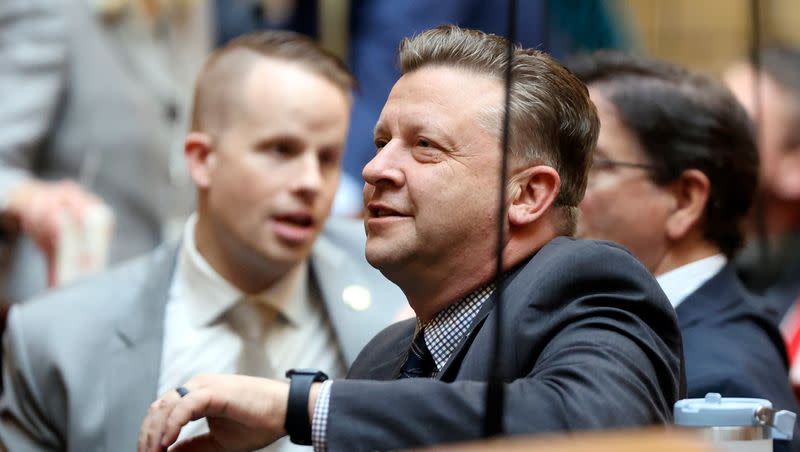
{"points": [[94, 107], [250, 290]]}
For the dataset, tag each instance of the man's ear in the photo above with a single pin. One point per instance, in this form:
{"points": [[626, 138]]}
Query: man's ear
{"points": [[691, 191], [531, 192], [198, 152]]}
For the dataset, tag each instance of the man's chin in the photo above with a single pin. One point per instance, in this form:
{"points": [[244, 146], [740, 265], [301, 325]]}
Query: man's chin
{"points": [[380, 256], [284, 253]]}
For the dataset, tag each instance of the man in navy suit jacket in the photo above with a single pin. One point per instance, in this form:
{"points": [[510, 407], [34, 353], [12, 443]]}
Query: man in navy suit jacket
{"points": [[673, 176], [589, 340]]}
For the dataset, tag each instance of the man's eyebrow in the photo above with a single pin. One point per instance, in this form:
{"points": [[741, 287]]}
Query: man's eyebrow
{"points": [[415, 126]]}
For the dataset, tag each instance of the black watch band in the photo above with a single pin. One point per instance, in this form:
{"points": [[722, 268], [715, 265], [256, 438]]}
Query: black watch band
{"points": [[297, 423]]}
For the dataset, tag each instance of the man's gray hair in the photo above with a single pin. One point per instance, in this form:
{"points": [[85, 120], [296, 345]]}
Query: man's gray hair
{"points": [[552, 119]]}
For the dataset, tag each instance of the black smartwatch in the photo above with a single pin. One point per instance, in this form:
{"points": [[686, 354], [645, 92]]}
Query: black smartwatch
{"points": [[297, 423]]}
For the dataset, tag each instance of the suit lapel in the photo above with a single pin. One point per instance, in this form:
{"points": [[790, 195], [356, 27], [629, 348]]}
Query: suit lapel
{"points": [[134, 362], [347, 298]]}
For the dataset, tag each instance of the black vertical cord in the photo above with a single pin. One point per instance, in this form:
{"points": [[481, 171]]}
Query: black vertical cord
{"points": [[495, 397]]}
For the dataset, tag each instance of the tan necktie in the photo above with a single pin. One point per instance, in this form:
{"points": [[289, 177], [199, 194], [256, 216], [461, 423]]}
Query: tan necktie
{"points": [[250, 320]]}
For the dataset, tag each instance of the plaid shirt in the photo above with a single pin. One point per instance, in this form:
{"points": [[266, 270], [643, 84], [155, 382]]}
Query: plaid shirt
{"points": [[442, 336]]}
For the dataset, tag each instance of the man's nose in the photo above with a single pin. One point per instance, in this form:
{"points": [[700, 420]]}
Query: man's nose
{"points": [[385, 168], [307, 179]]}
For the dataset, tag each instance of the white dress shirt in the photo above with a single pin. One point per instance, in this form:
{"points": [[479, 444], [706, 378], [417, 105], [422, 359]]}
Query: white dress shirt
{"points": [[681, 282], [212, 327]]}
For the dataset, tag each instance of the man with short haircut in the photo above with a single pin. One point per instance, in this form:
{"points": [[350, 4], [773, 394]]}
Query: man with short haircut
{"points": [[250, 290], [589, 340], [673, 177]]}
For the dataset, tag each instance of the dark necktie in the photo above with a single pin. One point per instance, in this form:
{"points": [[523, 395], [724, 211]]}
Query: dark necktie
{"points": [[419, 363]]}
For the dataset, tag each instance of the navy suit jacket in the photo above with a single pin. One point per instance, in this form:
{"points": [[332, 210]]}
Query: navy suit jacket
{"points": [[589, 342], [732, 348]]}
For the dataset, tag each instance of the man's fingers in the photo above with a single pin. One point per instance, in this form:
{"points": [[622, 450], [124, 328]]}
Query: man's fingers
{"points": [[43, 226], [46, 199], [202, 443], [152, 429], [193, 406], [43, 218], [77, 201], [237, 420], [49, 209]]}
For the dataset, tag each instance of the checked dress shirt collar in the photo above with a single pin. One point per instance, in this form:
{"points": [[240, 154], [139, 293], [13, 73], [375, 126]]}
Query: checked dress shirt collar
{"points": [[448, 327]]}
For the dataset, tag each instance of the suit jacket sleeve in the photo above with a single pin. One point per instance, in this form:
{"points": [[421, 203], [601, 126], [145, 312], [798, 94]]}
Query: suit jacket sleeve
{"points": [[24, 423], [32, 70], [608, 357]]}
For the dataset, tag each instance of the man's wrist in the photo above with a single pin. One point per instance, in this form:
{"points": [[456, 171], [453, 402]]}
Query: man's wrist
{"points": [[313, 393], [279, 412]]}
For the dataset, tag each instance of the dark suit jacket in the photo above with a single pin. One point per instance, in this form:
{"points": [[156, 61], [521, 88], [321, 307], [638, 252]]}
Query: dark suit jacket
{"points": [[589, 339], [731, 347]]}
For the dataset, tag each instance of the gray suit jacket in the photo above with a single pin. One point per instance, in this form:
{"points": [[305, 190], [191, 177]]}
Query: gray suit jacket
{"points": [[589, 342], [88, 98], [82, 363]]}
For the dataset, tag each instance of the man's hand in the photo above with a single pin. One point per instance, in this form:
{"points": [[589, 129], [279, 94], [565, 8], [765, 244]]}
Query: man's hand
{"points": [[41, 206], [243, 413]]}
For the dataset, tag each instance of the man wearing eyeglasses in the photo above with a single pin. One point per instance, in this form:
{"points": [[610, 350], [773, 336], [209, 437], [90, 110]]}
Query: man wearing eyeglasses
{"points": [[674, 173]]}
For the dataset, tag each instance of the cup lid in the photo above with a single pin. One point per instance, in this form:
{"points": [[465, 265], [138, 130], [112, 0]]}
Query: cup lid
{"points": [[717, 411]]}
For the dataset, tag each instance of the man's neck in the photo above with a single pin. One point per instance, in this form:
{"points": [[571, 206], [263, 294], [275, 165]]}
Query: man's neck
{"points": [[430, 294], [428, 299], [244, 269], [684, 253]]}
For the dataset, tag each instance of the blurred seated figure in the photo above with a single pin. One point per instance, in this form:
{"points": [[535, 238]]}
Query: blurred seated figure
{"points": [[95, 98], [771, 262], [673, 177], [250, 290]]}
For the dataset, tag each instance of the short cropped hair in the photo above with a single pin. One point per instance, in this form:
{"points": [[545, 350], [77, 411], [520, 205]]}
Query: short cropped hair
{"points": [[218, 86], [683, 121], [552, 119]]}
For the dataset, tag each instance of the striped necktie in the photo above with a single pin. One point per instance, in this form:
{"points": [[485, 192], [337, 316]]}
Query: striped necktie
{"points": [[419, 363]]}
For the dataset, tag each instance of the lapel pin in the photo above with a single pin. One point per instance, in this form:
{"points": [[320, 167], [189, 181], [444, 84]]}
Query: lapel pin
{"points": [[357, 297]]}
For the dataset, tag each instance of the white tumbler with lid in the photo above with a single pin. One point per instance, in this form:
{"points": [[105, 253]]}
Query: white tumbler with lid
{"points": [[735, 424]]}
